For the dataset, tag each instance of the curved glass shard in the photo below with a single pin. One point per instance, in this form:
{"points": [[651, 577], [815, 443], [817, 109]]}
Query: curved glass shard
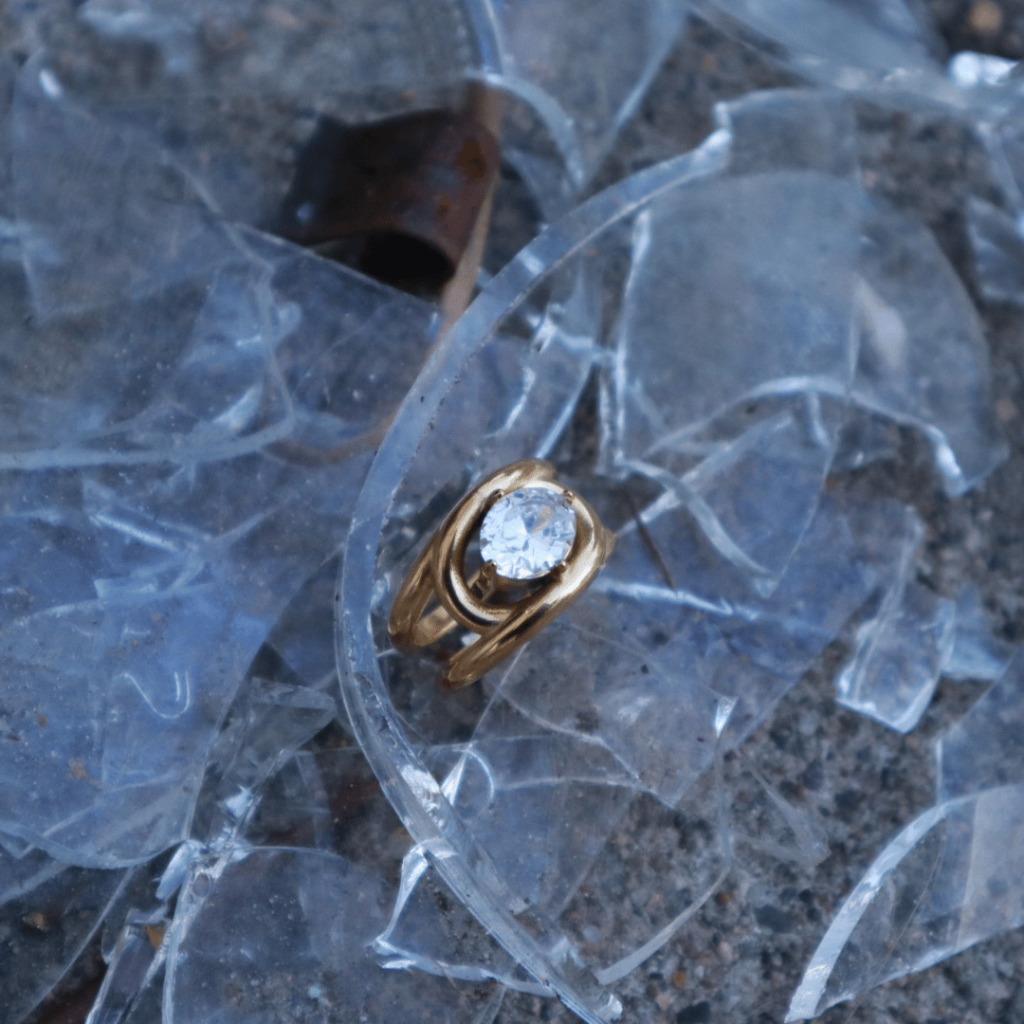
{"points": [[533, 938], [949, 879], [731, 574]]}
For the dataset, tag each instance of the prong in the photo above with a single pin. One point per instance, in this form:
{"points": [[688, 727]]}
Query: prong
{"points": [[557, 572], [485, 580]]}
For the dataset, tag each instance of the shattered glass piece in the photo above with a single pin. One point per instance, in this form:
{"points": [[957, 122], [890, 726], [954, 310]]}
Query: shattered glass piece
{"points": [[750, 649], [796, 129], [716, 266], [762, 818], [537, 48], [516, 812], [129, 967], [431, 931], [853, 554], [998, 252], [656, 870], [512, 787], [923, 358], [872, 45], [900, 652], [624, 694], [756, 498], [848, 560], [526, 533], [265, 725], [129, 201], [951, 878], [48, 920], [977, 652], [301, 948], [712, 272], [147, 1005], [514, 781], [985, 749], [127, 715]]}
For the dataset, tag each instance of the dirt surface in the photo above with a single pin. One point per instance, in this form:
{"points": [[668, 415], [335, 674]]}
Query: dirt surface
{"points": [[739, 959]]}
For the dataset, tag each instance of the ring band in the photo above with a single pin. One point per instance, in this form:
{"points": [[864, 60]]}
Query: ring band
{"points": [[536, 554]]}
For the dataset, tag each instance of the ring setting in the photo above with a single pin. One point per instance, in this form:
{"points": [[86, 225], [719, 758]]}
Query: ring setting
{"points": [[541, 545]]}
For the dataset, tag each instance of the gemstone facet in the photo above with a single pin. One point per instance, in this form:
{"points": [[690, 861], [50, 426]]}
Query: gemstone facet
{"points": [[527, 533]]}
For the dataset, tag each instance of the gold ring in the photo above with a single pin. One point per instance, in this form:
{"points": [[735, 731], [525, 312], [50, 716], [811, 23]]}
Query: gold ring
{"points": [[540, 544]]}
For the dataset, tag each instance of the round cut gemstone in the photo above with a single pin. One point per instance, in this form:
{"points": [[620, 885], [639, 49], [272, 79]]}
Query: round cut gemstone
{"points": [[527, 533]]}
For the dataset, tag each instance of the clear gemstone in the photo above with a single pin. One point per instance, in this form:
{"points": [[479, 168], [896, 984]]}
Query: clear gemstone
{"points": [[527, 533]]}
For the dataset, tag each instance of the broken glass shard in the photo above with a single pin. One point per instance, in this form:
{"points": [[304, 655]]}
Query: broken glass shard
{"points": [[884, 46], [915, 637], [131, 964], [620, 694], [900, 652], [985, 749], [948, 880], [923, 358], [562, 838], [534, 50], [977, 652], [58, 909], [998, 252], [688, 379], [714, 241], [139, 225], [300, 949], [267, 722]]}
